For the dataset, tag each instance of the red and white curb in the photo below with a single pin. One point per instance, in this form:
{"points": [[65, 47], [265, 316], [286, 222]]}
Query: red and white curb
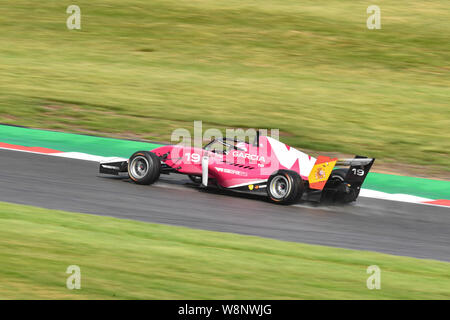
{"points": [[57, 153], [401, 197], [89, 157]]}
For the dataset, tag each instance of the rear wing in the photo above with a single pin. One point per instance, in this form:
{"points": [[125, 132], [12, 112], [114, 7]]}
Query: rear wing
{"points": [[357, 161], [357, 173], [322, 169]]}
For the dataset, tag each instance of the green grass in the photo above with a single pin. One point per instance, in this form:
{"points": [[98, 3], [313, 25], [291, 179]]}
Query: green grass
{"points": [[121, 259], [311, 69]]}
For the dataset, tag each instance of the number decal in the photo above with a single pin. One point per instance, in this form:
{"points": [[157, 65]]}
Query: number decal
{"points": [[194, 157], [358, 172]]}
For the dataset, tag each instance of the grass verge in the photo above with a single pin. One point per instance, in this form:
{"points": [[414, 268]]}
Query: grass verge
{"points": [[142, 69], [121, 259]]}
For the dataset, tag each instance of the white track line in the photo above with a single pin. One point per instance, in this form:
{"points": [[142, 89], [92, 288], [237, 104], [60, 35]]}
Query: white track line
{"points": [[87, 157], [392, 196]]}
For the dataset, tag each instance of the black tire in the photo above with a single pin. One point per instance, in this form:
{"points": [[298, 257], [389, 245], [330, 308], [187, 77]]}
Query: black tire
{"points": [[285, 187], [144, 167], [343, 194]]}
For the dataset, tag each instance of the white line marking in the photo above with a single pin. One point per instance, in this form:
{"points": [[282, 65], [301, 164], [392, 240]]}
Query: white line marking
{"points": [[87, 157], [394, 197]]}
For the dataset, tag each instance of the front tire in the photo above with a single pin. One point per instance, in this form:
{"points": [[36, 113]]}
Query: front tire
{"points": [[144, 167], [285, 187]]}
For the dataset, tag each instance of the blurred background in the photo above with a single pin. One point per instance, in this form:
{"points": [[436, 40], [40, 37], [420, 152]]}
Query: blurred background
{"points": [[140, 69]]}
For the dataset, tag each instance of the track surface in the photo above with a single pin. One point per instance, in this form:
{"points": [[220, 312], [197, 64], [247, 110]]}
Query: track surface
{"points": [[391, 227]]}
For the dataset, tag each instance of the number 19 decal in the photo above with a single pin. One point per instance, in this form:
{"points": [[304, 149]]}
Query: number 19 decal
{"points": [[194, 157], [358, 172]]}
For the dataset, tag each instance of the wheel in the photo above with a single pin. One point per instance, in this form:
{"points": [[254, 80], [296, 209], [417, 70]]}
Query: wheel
{"points": [[195, 179], [285, 187], [343, 193], [144, 167]]}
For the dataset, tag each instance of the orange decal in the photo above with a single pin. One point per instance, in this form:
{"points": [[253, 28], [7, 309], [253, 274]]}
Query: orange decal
{"points": [[321, 172]]}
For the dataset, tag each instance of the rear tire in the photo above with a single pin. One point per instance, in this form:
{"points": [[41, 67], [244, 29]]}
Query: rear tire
{"points": [[285, 187], [144, 167]]}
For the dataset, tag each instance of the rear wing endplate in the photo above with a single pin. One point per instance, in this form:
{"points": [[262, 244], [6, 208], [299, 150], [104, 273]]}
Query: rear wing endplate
{"points": [[359, 168]]}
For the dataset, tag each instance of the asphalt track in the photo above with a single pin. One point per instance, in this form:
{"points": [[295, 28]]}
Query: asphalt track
{"points": [[398, 228]]}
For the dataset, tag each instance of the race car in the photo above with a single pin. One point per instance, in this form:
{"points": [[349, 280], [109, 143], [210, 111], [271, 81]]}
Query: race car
{"points": [[266, 166]]}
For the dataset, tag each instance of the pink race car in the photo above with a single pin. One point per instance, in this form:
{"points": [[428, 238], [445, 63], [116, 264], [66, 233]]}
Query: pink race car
{"points": [[286, 175]]}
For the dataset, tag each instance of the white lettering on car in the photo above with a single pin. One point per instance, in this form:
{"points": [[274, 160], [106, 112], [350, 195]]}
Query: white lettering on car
{"points": [[253, 157], [230, 171]]}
